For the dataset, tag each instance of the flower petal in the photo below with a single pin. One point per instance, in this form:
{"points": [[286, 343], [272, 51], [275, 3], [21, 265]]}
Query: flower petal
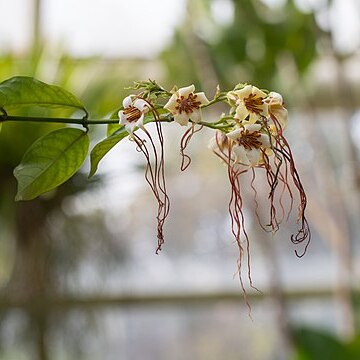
{"points": [[253, 118], [275, 97], [130, 127], [253, 156], [232, 96], [240, 155], [258, 92], [195, 116], [265, 140], [140, 122], [142, 105], [200, 96], [244, 92], [241, 112], [280, 113], [122, 118], [252, 127], [235, 134], [182, 119], [171, 104], [186, 91], [127, 101], [265, 109]]}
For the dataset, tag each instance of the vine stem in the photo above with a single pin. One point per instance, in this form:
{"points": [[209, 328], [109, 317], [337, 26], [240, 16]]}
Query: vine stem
{"points": [[85, 122], [6, 118], [217, 99]]}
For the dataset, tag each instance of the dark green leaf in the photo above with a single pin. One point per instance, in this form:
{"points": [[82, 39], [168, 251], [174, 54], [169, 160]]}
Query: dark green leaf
{"points": [[103, 147], [50, 161], [111, 128], [314, 344], [26, 91]]}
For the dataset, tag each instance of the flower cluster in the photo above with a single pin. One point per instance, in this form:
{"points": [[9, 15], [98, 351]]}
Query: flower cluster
{"points": [[249, 138], [258, 118]]}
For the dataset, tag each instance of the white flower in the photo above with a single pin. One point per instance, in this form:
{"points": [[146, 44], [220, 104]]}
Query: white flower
{"points": [[248, 144], [185, 105], [219, 142], [277, 110], [133, 114], [249, 101]]}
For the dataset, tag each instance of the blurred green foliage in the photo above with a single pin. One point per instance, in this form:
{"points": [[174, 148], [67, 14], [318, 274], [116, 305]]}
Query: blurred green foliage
{"points": [[253, 47], [314, 344]]}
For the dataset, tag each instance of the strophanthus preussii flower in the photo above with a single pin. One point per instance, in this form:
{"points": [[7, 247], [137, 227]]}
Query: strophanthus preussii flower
{"points": [[249, 102], [133, 113], [277, 109], [249, 143], [219, 142], [184, 104]]}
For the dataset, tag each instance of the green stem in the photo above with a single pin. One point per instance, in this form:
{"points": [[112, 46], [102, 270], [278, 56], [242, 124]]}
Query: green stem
{"points": [[214, 101], [214, 126], [84, 122]]}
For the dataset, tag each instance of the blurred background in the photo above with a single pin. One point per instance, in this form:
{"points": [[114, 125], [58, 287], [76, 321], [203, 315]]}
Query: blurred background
{"points": [[78, 272]]}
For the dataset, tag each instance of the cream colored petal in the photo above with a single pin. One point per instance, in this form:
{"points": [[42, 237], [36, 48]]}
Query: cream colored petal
{"points": [[253, 156], [186, 91], [253, 118], [202, 98], [265, 109], [281, 114], [182, 119], [130, 127], [140, 121], [195, 116], [240, 155], [265, 140], [231, 95], [122, 117], [275, 97], [127, 101], [252, 127], [171, 104], [258, 92], [241, 112], [234, 135], [244, 92], [142, 105], [284, 119]]}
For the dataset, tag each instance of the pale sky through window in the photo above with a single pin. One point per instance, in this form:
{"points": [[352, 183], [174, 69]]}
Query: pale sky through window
{"points": [[116, 28], [94, 27], [112, 27]]}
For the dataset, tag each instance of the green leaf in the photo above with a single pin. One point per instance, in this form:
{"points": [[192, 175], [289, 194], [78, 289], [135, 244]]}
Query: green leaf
{"points": [[103, 147], [2, 100], [26, 91], [50, 161], [111, 128], [313, 344]]}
